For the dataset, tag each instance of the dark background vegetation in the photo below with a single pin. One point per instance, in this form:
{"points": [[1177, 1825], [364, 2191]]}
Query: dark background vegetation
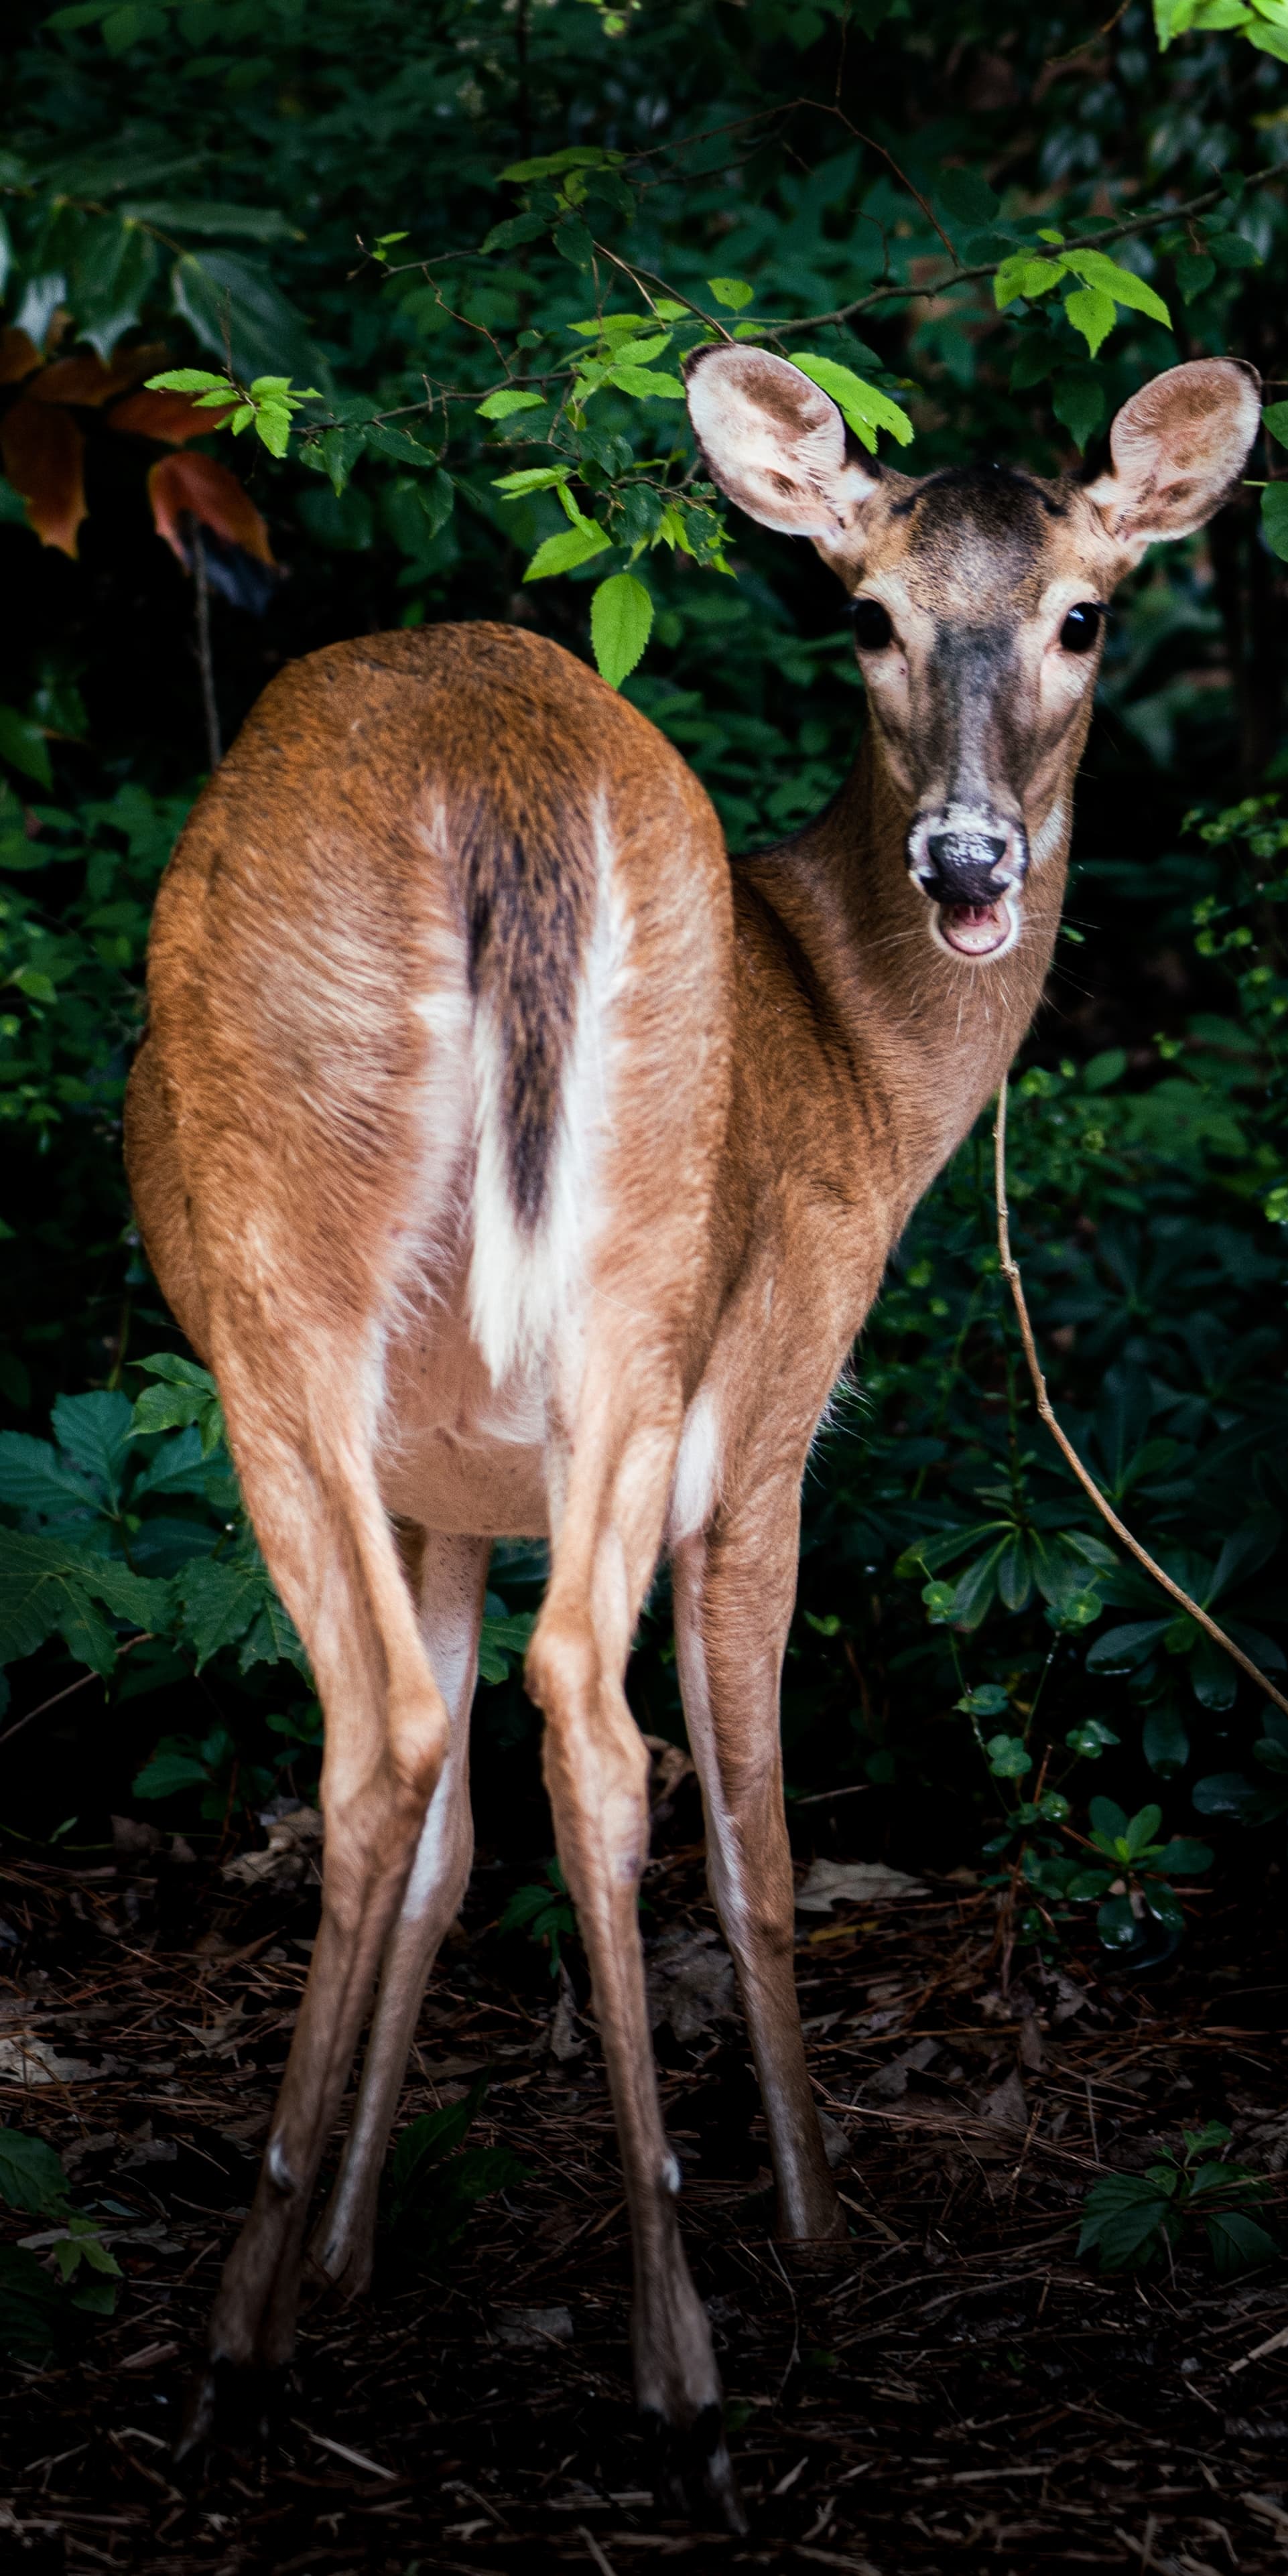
{"points": [[959, 1667]]}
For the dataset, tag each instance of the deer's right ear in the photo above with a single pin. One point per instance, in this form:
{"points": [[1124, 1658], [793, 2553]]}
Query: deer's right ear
{"points": [[775, 443]]}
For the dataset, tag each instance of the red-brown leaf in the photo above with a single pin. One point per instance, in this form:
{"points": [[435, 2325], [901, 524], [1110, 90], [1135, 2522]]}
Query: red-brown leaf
{"points": [[18, 357], [86, 379], [173, 417], [198, 484], [44, 458]]}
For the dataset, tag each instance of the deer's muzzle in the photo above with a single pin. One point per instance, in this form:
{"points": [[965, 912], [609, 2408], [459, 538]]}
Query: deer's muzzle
{"points": [[970, 867]]}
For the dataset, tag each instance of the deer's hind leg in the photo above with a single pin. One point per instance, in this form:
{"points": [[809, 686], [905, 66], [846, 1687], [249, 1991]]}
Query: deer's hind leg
{"points": [[301, 1421], [447, 1576], [611, 1478]]}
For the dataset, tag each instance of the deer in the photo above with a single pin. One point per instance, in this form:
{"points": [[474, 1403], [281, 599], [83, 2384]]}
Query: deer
{"points": [[522, 1167]]}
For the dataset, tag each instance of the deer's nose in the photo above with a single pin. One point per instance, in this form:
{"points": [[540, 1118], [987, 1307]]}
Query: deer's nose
{"points": [[963, 865]]}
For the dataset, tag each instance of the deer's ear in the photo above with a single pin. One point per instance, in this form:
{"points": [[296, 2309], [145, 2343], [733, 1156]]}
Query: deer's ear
{"points": [[1177, 446], [775, 443]]}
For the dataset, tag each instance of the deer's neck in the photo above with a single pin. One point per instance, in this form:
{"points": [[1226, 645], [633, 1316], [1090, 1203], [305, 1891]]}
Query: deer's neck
{"points": [[928, 1038]]}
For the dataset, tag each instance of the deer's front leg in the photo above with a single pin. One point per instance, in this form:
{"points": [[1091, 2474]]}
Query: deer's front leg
{"points": [[734, 1592]]}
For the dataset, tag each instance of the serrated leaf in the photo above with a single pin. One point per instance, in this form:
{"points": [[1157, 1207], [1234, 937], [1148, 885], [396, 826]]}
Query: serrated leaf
{"points": [[732, 292], [1093, 313], [865, 408], [1105, 276], [31, 2175], [621, 619], [641, 382], [563, 553], [530, 478], [95, 1431], [1025, 275], [219, 1597], [33, 1478], [46, 1585], [510, 398], [1274, 514]]}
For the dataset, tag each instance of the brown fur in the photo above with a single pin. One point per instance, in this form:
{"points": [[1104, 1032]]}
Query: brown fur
{"points": [[412, 834]]}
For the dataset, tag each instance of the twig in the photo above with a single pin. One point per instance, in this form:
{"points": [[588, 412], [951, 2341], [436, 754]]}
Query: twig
{"points": [[205, 658], [1011, 1272], [66, 1692]]}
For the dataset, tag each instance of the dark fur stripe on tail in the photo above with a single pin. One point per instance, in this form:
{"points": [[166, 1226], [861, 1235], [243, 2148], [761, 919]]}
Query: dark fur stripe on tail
{"points": [[528, 898]]}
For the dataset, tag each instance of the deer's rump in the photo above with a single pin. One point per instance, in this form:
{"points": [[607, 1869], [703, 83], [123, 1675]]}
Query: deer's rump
{"points": [[414, 976]]}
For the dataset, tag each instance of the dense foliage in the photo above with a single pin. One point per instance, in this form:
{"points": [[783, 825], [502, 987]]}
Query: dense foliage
{"points": [[326, 318]]}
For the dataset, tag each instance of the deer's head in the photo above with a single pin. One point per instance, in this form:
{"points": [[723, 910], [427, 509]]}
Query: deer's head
{"points": [[978, 596]]}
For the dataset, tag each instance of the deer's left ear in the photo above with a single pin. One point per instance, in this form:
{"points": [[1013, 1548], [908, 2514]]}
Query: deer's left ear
{"points": [[775, 443], [1178, 446]]}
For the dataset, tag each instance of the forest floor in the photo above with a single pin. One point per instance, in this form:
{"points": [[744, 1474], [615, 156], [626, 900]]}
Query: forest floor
{"points": [[954, 2389]]}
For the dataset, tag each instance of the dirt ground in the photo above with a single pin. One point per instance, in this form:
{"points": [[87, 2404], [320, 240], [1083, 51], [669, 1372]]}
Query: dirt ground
{"points": [[953, 2391]]}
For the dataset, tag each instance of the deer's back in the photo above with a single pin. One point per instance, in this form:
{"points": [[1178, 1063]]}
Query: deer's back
{"points": [[417, 968]]}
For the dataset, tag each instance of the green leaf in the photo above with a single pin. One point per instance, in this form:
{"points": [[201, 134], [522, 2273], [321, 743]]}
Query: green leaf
{"points": [[31, 2175], [1091, 1738], [861, 405], [621, 618], [1121, 1650], [1008, 1757], [1238, 2243], [966, 198], [530, 478], [1023, 274], [1116, 1923], [1194, 273], [643, 381], [510, 398], [219, 1598], [563, 553], [1274, 515], [733, 292], [188, 1393], [230, 302], [189, 380], [33, 1478], [1078, 400], [199, 215], [96, 1432], [46, 1584], [1142, 1829], [1093, 313], [552, 165], [1107, 1818], [170, 1771], [32, 2307], [1106, 277], [23, 745]]}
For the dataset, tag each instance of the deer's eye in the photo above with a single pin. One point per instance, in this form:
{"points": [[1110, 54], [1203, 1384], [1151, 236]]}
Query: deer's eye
{"points": [[872, 627], [1081, 626]]}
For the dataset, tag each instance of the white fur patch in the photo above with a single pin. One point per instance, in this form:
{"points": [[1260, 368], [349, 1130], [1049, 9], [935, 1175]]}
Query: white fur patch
{"points": [[523, 1285], [696, 1482], [1048, 836]]}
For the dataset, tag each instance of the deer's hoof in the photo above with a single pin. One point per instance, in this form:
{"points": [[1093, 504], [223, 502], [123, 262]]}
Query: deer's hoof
{"points": [[693, 2475], [231, 2405]]}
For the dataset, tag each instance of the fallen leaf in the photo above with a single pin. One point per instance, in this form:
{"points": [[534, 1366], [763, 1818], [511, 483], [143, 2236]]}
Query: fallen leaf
{"points": [[1006, 2106], [852, 1882], [26, 2060], [532, 2329], [690, 1983]]}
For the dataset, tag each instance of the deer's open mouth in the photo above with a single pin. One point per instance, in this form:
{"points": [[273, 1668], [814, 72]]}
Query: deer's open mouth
{"points": [[976, 929]]}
